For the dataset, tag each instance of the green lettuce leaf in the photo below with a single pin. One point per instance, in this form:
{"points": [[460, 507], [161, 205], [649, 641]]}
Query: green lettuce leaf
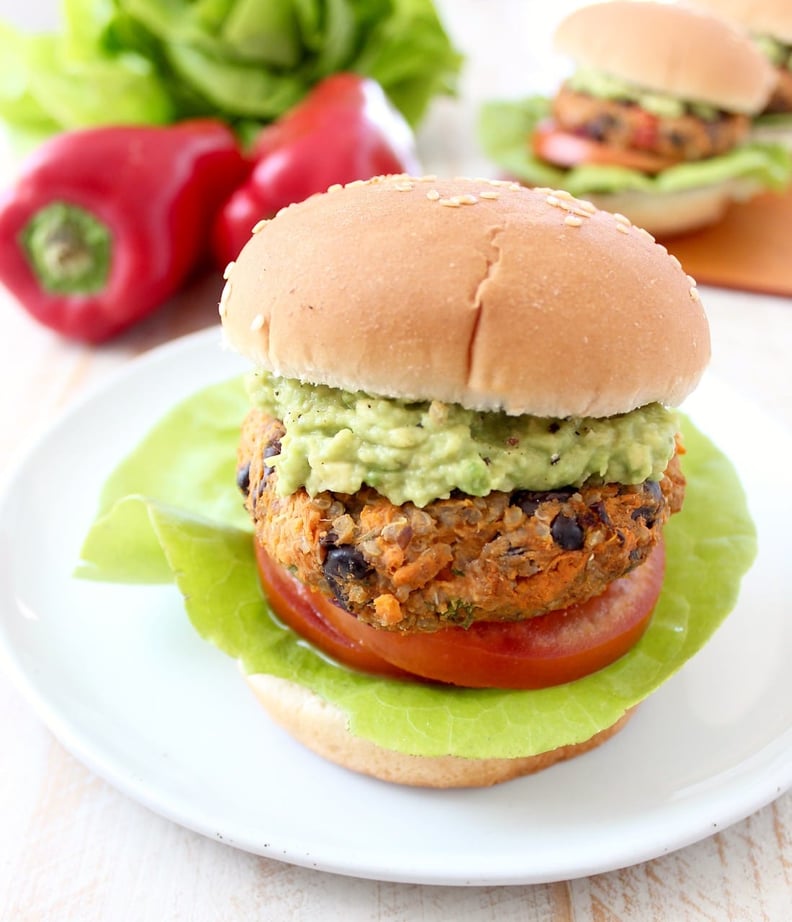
{"points": [[505, 128], [396, 54], [184, 467], [171, 510], [244, 61], [48, 82]]}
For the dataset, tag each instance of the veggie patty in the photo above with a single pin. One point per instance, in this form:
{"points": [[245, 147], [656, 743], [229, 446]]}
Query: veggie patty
{"points": [[504, 556]]}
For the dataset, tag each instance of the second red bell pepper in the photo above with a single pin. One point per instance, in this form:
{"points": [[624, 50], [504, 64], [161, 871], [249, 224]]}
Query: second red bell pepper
{"points": [[104, 224], [345, 129]]}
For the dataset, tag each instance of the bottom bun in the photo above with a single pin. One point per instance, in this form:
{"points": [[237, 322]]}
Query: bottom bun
{"points": [[666, 214], [322, 727]]}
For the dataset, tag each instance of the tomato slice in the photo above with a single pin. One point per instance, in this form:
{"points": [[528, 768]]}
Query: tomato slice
{"points": [[547, 650], [565, 149]]}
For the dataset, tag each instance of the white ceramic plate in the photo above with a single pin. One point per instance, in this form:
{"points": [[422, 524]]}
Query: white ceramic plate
{"points": [[123, 681]]}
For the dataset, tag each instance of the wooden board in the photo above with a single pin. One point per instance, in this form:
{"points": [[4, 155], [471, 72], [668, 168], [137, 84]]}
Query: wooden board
{"points": [[750, 249]]}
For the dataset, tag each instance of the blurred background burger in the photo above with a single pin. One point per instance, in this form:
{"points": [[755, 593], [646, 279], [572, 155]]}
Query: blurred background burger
{"points": [[769, 24], [655, 121]]}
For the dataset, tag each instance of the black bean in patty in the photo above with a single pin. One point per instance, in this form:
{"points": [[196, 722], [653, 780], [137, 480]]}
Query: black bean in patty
{"points": [[342, 564], [243, 477], [274, 448], [567, 532], [530, 500]]}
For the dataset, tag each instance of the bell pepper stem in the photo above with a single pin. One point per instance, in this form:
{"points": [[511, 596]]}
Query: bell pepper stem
{"points": [[68, 249]]}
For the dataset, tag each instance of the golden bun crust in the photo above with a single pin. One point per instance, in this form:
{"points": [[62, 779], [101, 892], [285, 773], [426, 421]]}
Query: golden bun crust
{"points": [[671, 213], [671, 49], [471, 291], [772, 18], [321, 727]]}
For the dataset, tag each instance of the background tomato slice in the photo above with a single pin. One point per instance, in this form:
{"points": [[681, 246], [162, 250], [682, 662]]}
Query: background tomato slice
{"points": [[565, 149], [547, 650]]}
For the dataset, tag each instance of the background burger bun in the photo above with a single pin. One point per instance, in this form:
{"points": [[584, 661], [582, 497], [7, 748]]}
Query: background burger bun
{"points": [[672, 49], [472, 291], [766, 17], [322, 727]]}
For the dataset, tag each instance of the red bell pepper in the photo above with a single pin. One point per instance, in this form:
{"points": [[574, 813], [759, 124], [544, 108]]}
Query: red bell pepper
{"points": [[344, 129], [104, 224]]}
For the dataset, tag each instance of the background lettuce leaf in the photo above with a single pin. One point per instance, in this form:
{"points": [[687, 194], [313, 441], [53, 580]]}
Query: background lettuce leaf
{"points": [[51, 82], [183, 519], [149, 61], [505, 129], [184, 468]]}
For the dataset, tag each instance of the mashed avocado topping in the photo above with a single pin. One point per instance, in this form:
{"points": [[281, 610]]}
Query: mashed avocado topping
{"points": [[606, 86], [420, 451], [772, 49], [777, 53]]}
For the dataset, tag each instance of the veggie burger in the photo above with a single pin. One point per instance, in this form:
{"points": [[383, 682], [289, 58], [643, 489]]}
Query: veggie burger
{"points": [[459, 456], [655, 120]]}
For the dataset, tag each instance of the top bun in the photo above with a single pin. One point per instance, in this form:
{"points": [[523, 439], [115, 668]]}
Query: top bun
{"points": [[670, 49], [473, 291], [772, 18]]}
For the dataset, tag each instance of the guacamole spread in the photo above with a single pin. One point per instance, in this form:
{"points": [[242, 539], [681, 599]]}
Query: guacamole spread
{"points": [[605, 86], [777, 53], [420, 451]]}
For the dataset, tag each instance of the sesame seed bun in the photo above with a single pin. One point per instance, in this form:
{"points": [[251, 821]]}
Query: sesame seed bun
{"points": [[322, 728], [768, 17], [471, 291], [670, 49]]}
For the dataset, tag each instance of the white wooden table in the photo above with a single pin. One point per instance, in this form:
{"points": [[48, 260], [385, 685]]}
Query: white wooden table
{"points": [[73, 848]]}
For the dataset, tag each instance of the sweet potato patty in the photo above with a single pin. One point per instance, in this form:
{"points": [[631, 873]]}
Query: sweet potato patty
{"points": [[501, 557], [625, 124]]}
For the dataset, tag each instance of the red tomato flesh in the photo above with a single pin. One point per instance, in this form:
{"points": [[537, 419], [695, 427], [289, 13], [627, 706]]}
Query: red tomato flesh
{"points": [[546, 650]]}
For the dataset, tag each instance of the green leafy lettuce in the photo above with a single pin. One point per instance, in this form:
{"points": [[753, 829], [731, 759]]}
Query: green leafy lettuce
{"points": [[172, 511], [246, 61], [505, 129]]}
